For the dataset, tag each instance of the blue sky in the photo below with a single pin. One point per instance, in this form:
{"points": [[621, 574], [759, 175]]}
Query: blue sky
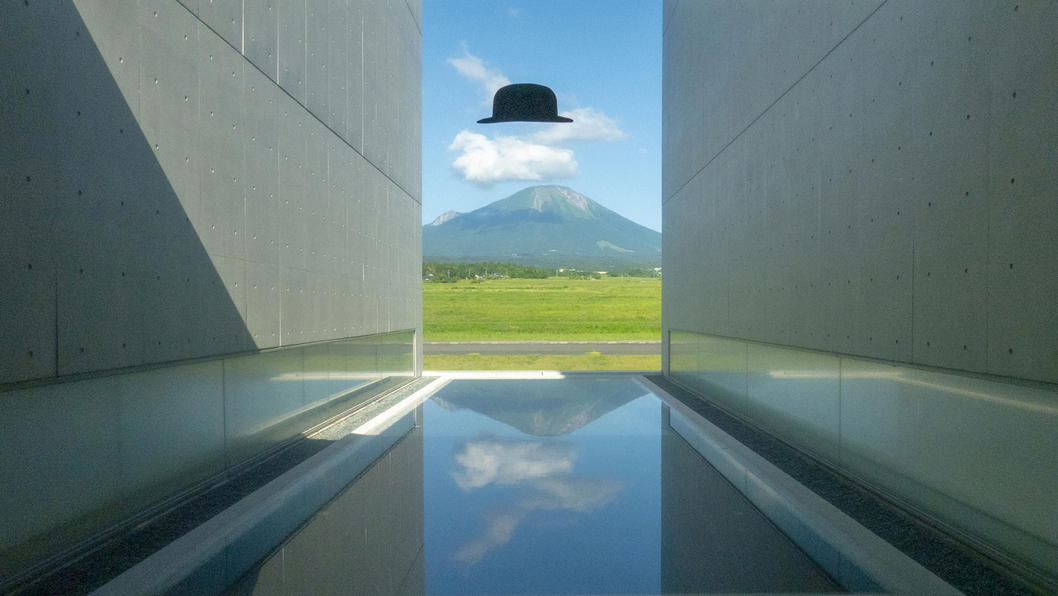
{"points": [[603, 60]]}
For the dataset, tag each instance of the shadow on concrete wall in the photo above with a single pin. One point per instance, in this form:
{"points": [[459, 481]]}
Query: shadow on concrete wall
{"points": [[101, 264]]}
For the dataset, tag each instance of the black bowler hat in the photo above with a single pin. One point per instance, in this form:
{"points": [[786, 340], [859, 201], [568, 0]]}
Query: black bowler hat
{"points": [[524, 102]]}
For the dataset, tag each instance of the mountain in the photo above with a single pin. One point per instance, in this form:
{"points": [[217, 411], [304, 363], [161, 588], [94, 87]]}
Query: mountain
{"points": [[541, 225], [542, 408]]}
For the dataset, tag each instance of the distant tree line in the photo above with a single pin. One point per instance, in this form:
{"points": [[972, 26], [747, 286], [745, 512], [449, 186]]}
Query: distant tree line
{"points": [[610, 272], [450, 272], [634, 272]]}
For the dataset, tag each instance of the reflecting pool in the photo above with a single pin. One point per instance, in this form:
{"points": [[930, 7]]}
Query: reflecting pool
{"points": [[558, 486]]}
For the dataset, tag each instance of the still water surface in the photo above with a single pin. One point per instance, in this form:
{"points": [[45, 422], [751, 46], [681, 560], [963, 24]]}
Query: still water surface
{"points": [[558, 486]]}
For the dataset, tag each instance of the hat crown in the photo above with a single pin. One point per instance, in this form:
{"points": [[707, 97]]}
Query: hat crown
{"points": [[524, 102]]}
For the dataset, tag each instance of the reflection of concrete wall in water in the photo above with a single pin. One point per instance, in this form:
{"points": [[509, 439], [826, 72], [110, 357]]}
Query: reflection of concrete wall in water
{"points": [[182, 185], [359, 543], [711, 534], [860, 230]]}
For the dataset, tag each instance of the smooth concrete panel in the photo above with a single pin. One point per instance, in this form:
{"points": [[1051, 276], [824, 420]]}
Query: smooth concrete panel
{"points": [[224, 18], [1022, 180], [29, 182], [853, 210], [373, 56], [292, 182], [167, 185], [30, 179], [337, 37], [222, 220], [317, 196], [415, 6], [976, 453], [264, 294], [947, 110], [225, 339], [737, 69], [116, 29], [191, 5], [27, 350], [354, 132], [295, 301], [170, 97], [796, 395], [291, 48], [91, 335], [314, 309], [342, 177], [261, 181], [122, 187], [261, 36], [317, 25]]}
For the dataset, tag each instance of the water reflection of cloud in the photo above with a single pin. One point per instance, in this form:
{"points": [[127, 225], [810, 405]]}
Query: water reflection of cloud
{"points": [[488, 460], [545, 470]]}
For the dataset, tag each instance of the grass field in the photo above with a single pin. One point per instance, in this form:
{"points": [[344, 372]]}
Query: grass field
{"points": [[619, 308], [590, 361]]}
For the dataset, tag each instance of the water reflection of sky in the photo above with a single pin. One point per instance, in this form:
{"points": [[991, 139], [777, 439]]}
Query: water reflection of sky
{"points": [[509, 512]]}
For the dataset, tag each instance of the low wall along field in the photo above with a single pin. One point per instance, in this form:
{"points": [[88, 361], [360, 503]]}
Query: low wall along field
{"points": [[553, 309]]}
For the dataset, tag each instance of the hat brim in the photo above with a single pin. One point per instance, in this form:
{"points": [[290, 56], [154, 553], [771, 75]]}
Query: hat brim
{"points": [[494, 120]]}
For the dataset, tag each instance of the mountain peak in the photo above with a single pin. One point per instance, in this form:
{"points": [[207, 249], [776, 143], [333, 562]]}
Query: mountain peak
{"points": [[540, 224], [444, 217], [551, 199], [547, 195]]}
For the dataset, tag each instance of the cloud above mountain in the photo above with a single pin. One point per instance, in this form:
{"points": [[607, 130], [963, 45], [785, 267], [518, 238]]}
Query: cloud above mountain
{"points": [[484, 161], [542, 155], [543, 471], [588, 124], [471, 67]]}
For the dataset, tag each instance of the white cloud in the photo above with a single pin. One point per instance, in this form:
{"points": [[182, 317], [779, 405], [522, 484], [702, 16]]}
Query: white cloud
{"points": [[471, 67], [545, 467], [510, 462], [514, 12], [486, 161], [588, 124], [572, 493]]}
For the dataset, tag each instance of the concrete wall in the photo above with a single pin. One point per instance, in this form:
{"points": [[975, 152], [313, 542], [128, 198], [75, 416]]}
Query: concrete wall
{"points": [[164, 198], [182, 183], [861, 237]]}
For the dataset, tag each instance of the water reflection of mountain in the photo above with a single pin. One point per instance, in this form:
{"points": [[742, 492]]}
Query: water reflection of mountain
{"points": [[545, 408]]}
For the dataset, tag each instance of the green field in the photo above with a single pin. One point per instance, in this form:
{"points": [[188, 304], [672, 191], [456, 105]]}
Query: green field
{"points": [[610, 309], [589, 361]]}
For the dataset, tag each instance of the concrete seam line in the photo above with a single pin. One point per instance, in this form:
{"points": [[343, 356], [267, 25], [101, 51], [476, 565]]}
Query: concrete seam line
{"points": [[798, 511]]}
